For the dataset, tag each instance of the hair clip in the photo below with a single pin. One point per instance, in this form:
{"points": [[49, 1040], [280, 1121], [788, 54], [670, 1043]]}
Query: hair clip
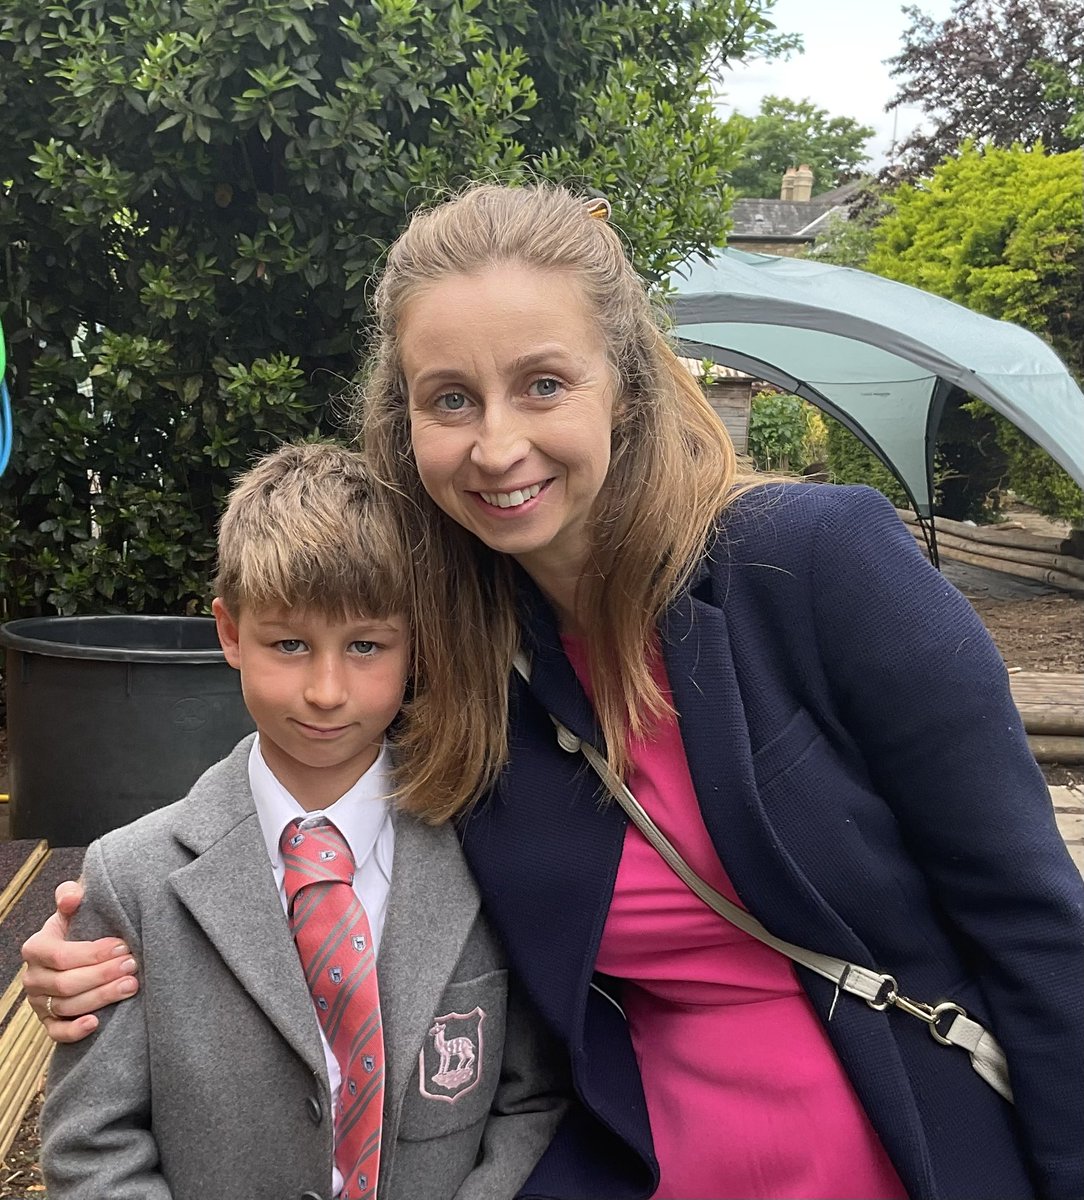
{"points": [[599, 207]]}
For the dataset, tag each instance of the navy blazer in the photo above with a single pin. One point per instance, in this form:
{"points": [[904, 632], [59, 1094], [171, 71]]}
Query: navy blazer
{"points": [[866, 780]]}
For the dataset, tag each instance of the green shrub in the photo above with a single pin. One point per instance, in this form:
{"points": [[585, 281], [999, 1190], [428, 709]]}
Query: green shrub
{"points": [[785, 432], [196, 192]]}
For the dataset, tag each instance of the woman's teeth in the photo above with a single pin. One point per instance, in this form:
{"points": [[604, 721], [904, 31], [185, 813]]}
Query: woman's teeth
{"points": [[511, 499]]}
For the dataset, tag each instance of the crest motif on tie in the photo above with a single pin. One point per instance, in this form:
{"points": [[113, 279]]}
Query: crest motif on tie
{"points": [[363, 1182], [368, 1062], [335, 974], [450, 1061], [297, 839], [327, 855], [358, 943], [352, 1087], [321, 1003]]}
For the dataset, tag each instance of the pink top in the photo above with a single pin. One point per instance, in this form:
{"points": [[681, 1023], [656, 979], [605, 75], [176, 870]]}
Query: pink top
{"points": [[746, 1096]]}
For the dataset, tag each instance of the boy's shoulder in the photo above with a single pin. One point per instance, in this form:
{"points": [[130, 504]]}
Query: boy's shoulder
{"points": [[220, 798]]}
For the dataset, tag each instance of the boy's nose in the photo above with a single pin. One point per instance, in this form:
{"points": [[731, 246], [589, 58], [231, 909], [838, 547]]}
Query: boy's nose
{"points": [[325, 687]]}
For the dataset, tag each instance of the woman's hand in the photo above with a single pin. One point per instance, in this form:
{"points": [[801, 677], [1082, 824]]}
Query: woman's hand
{"points": [[66, 981]]}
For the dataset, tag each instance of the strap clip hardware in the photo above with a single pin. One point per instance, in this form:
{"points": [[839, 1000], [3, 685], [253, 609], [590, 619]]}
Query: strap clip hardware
{"points": [[930, 1013]]}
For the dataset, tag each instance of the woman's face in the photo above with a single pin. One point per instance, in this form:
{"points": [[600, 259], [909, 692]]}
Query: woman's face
{"points": [[511, 401]]}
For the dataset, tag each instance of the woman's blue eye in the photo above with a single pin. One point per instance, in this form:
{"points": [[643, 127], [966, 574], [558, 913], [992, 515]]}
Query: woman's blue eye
{"points": [[452, 402], [545, 387]]}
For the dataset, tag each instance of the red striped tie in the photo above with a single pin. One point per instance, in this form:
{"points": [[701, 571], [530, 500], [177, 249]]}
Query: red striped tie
{"points": [[336, 948]]}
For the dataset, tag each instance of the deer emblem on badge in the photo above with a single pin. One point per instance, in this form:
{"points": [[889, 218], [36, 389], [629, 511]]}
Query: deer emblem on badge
{"points": [[458, 1055]]}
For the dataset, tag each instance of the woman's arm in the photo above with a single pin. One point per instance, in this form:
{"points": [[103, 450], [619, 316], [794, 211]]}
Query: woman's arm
{"points": [[80, 976], [921, 688]]}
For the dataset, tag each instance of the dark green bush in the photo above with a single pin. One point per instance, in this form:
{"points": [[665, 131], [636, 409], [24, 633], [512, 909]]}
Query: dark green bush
{"points": [[850, 462], [194, 193]]}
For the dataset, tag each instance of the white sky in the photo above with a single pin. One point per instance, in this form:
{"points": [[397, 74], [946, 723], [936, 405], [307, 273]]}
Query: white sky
{"points": [[842, 68]]}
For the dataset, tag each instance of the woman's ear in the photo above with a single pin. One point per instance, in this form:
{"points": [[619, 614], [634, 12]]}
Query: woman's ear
{"points": [[227, 633]]}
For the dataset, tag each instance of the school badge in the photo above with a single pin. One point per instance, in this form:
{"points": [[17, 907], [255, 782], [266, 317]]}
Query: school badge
{"points": [[450, 1061]]}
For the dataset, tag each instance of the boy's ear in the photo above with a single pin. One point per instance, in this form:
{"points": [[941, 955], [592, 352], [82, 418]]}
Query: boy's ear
{"points": [[227, 633]]}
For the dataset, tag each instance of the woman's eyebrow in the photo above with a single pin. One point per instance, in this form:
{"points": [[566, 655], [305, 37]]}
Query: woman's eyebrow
{"points": [[544, 356]]}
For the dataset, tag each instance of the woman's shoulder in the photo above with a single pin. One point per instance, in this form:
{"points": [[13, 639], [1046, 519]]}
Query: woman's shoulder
{"points": [[780, 518]]}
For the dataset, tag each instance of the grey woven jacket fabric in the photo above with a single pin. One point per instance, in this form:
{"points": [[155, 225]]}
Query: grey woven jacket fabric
{"points": [[212, 1081]]}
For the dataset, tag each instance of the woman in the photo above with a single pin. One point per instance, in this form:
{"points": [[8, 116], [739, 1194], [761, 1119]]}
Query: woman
{"points": [[811, 713]]}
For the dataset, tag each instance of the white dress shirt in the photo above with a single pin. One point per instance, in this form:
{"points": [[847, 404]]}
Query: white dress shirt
{"points": [[363, 817]]}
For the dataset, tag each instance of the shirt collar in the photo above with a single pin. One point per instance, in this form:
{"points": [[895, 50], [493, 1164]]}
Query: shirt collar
{"points": [[360, 815]]}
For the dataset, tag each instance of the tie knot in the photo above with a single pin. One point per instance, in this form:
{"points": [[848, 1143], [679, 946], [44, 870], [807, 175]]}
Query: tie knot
{"points": [[315, 853]]}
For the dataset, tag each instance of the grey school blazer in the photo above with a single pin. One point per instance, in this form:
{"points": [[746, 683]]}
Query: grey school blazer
{"points": [[212, 1081]]}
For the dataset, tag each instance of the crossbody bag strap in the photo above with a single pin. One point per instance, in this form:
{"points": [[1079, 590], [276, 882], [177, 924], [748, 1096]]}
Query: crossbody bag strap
{"points": [[878, 990]]}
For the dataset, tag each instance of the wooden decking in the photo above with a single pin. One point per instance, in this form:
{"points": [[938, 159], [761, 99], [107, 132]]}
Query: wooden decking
{"points": [[1049, 702], [1052, 707]]}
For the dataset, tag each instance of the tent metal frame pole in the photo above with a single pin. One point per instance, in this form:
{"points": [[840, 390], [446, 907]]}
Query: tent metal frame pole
{"points": [[938, 399]]}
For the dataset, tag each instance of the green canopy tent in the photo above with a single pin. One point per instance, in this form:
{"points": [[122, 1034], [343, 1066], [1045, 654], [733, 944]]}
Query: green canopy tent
{"points": [[880, 356]]}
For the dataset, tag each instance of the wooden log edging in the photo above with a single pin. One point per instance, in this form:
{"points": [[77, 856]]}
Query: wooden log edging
{"points": [[1062, 570], [1009, 533], [1014, 554], [1058, 579], [1064, 750]]}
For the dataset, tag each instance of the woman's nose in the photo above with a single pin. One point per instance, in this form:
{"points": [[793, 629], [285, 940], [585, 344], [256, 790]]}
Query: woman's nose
{"points": [[501, 439]]}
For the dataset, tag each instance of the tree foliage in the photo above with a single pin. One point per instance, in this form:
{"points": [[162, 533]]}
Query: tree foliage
{"points": [[195, 193], [1064, 85], [1000, 71], [1001, 232], [786, 133]]}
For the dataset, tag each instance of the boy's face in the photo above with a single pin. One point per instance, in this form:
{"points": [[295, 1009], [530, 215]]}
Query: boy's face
{"points": [[322, 692]]}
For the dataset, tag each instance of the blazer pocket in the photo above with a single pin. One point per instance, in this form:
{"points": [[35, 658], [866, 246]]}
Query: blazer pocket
{"points": [[459, 1062], [785, 748]]}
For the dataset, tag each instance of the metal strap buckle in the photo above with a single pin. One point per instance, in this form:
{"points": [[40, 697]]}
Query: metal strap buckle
{"points": [[889, 995]]}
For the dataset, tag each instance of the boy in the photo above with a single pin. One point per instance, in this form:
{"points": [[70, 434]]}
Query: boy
{"points": [[269, 1051]]}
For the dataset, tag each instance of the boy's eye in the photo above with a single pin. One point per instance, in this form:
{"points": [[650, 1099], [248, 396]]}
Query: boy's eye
{"points": [[290, 645], [544, 387], [451, 402], [365, 648]]}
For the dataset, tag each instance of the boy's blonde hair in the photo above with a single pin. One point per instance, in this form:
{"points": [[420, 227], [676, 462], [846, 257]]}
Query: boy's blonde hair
{"points": [[307, 527], [672, 470]]}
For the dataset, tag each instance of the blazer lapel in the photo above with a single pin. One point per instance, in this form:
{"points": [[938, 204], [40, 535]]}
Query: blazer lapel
{"points": [[229, 889], [431, 910]]}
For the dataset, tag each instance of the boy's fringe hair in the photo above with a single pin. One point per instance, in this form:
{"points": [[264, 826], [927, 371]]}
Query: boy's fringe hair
{"points": [[308, 527], [672, 472]]}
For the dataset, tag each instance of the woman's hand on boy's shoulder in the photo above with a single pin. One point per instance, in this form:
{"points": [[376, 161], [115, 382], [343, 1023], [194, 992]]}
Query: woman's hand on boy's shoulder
{"points": [[67, 982]]}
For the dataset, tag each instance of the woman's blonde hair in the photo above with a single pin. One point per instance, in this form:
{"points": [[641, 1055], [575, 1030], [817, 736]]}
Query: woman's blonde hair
{"points": [[672, 471]]}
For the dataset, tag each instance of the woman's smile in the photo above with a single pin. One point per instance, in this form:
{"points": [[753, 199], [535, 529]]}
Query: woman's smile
{"points": [[516, 498]]}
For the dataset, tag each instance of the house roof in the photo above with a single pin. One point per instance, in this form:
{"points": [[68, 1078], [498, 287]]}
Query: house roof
{"points": [[786, 220]]}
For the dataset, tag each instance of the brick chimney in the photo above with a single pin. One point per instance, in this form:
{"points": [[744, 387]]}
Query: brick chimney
{"points": [[803, 184], [786, 192]]}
